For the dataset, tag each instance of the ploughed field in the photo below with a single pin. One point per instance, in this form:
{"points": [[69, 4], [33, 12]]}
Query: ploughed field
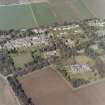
{"points": [[6, 93], [46, 87]]}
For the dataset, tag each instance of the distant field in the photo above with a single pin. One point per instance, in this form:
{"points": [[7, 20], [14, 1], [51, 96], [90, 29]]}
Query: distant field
{"points": [[96, 6], [25, 16], [9, 2], [45, 12], [18, 16], [46, 87], [70, 10]]}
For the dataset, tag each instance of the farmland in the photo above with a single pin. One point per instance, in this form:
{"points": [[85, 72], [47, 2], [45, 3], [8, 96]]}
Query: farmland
{"points": [[78, 9], [70, 10], [96, 6], [45, 12], [15, 17], [6, 93], [48, 88], [25, 16]]}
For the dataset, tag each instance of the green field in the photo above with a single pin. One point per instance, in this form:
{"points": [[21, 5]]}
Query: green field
{"points": [[84, 10], [25, 16], [43, 13], [21, 59], [36, 14], [18, 16]]}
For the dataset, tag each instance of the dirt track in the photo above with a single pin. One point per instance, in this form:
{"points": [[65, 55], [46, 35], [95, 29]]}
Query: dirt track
{"points": [[48, 88], [6, 2]]}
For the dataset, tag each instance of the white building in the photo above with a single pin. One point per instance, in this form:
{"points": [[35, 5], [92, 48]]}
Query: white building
{"points": [[79, 68]]}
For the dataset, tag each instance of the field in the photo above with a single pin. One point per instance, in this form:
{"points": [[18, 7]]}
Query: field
{"points": [[78, 9], [70, 10], [21, 59], [27, 14], [49, 88], [43, 13], [96, 6], [6, 94], [16, 17]]}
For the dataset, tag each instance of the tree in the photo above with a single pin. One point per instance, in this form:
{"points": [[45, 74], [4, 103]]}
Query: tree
{"points": [[30, 100], [37, 55]]}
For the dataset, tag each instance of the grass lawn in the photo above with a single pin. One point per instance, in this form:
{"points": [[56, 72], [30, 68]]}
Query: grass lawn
{"points": [[43, 13], [21, 59]]}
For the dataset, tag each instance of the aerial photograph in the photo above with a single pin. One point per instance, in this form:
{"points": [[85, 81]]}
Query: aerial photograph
{"points": [[52, 52]]}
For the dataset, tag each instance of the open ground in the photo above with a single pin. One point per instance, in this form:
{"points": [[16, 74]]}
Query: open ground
{"points": [[7, 96], [46, 87]]}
